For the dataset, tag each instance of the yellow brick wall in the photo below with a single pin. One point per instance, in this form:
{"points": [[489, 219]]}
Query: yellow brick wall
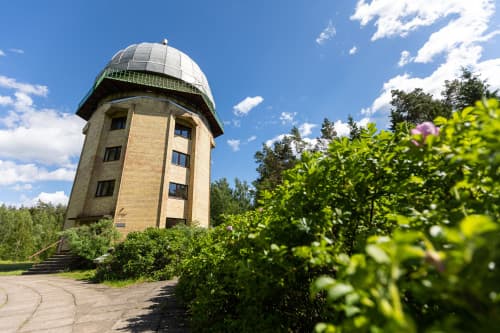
{"points": [[145, 169]]}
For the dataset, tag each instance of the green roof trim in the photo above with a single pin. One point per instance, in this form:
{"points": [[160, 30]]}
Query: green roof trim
{"points": [[150, 80]]}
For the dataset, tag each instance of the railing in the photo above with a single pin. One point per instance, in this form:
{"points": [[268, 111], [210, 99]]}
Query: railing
{"points": [[44, 249]]}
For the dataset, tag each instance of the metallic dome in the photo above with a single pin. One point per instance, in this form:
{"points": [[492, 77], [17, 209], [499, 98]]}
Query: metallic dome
{"points": [[161, 59]]}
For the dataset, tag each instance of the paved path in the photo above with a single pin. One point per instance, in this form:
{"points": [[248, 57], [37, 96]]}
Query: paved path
{"points": [[45, 303]]}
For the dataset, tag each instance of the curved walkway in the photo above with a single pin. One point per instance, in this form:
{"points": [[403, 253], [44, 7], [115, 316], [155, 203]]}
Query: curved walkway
{"points": [[45, 303]]}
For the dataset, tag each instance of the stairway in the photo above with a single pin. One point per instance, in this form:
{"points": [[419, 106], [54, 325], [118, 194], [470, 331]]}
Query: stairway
{"points": [[59, 262]]}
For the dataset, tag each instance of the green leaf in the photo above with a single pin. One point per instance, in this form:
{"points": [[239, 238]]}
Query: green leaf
{"points": [[339, 290], [377, 254], [476, 224]]}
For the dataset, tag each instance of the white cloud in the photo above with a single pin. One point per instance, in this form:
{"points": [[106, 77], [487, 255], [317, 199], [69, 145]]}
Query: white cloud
{"points": [[55, 198], [44, 136], [458, 40], [22, 187], [327, 33], [343, 129], [6, 100], [25, 88], [234, 144], [353, 50], [18, 51], [252, 138], [306, 129], [12, 173], [405, 58], [287, 117], [279, 137], [246, 105], [2, 53]]}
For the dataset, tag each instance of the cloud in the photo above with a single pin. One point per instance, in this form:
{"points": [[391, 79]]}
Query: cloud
{"points": [[55, 198], [287, 117], [343, 129], [26, 88], [306, 129], [327, 33], [45, 136], [6, 100], [29, 134], [2, 53], [21, 187], [246, 105], [252, 138], [18, 51], [277, 138], [12, 173], [405, 58], [234, 144], [353, 50], [458, 39]]}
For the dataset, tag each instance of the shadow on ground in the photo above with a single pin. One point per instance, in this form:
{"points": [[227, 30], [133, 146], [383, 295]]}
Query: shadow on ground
{"points": [[164, 315]]}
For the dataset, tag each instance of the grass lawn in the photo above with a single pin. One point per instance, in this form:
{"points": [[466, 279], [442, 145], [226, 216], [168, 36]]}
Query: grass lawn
{"points": [[88, 275], [8, 267]]}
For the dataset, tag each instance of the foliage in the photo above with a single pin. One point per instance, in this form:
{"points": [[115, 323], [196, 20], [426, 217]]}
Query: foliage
{"points": [[225, 200], [23, 231], [415, 107], [154, 254], [93, 240], [466, 90], [392, 232]]}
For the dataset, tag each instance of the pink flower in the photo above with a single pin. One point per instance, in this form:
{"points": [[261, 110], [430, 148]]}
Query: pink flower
{"points": [[229, 228], [424, 129]]}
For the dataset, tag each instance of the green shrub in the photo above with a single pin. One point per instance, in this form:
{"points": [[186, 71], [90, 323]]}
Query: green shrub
{"points": [[93, 240], [154, 253], [356, 224]]}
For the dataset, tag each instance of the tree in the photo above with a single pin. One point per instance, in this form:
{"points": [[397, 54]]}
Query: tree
{"points": [[415, 107], [328, 133], [466, 90], [227, 201], [354, 130], [273, 161]]}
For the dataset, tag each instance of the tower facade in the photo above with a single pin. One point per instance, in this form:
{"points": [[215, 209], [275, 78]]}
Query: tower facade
{"points": [[151, 124]]}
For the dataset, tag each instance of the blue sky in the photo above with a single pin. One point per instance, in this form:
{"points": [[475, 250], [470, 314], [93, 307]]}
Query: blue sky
{"points": [[270, 65]]}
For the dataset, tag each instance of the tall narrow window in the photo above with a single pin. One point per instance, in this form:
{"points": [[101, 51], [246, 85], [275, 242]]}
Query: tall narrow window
{"points": [[112, 154], [183, 131], [180, 159], [118, 123], [105, 188], [178, 191]]}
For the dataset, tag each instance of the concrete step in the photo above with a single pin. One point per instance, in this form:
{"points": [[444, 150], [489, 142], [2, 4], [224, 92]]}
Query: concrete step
{"points": [[59, 262]]}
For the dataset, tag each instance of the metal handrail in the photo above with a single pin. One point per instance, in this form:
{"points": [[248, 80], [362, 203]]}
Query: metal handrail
{"points": [[45, 249]]}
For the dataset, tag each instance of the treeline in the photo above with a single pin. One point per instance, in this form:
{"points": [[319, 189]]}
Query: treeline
{"points": [[25, 230], [407, 110]]}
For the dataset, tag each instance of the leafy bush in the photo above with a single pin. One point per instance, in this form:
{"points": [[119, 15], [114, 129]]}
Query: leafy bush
{"points": [[93, 240], [393, 232], [154, 253]]}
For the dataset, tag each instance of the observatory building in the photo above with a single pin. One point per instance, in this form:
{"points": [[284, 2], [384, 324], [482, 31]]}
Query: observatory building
{"points": [[151, 124]]}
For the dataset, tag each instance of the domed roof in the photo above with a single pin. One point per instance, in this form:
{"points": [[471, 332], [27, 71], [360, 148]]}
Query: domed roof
{"points": [[160, 68], [161, 59]]}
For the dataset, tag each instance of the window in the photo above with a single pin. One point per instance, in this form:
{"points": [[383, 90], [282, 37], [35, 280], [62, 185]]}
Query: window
{"points": [[118, 123], [112, 154], [173, 221], [180, 159], [105, 188], [178, 191], [183, 131]]}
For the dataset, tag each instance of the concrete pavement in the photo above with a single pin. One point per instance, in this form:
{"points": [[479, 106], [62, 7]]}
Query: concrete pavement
{"points": [[46, 303]]}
